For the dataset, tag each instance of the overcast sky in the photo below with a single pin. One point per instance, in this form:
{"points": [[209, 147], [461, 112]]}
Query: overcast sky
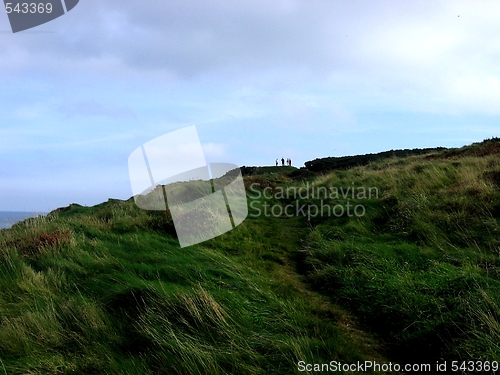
{"points": [[260, 80]]}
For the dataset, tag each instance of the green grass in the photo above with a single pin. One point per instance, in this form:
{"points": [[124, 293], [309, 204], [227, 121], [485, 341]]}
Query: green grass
{"points": [[108, 290], [422, 267]]}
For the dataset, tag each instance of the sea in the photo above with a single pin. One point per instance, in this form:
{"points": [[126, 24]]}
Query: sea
{"points": [[9, 218]]}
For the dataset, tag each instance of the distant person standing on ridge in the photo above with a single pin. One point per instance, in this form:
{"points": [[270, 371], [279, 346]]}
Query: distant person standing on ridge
{"points": [[276, 162], [290, 162], [282, 162]]}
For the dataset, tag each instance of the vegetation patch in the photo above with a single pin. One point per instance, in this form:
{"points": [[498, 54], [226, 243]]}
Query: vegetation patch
{"points": [[414, 278]]}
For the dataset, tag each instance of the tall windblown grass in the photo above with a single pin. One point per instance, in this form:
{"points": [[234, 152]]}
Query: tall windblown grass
{"points": [[422, 267]]}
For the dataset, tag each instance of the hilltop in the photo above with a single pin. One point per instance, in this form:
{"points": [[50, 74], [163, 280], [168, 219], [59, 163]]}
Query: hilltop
{"points": [[412, 278]]}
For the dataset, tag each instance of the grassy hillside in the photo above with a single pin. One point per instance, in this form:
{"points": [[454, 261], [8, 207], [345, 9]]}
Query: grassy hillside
{"points": [[107, 290], [422, 267], [408, 272]]}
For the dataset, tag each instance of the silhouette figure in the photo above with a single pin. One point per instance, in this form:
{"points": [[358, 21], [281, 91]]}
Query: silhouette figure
{"points": [[276, 162], [282, 162]]}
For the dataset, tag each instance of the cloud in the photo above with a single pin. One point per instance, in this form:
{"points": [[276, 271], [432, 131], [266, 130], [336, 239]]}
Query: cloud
{"points": [[387, 46], [426, 58], [417, 56]]}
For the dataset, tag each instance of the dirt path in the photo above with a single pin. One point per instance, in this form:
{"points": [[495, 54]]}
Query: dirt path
{"points": [[290, 234]]}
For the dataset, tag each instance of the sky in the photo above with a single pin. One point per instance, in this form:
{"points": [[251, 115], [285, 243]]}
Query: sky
{"points": [[259, 79]]}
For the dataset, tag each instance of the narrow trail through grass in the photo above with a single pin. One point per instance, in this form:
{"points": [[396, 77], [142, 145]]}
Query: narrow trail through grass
{"points": [[294, 234], [286, 236], [107, 289]]}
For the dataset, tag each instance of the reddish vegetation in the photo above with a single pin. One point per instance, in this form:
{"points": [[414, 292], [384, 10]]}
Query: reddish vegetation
{"points": [[35, 246], [262, 183], [488, 150], [485, 148], [54, 238]]}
